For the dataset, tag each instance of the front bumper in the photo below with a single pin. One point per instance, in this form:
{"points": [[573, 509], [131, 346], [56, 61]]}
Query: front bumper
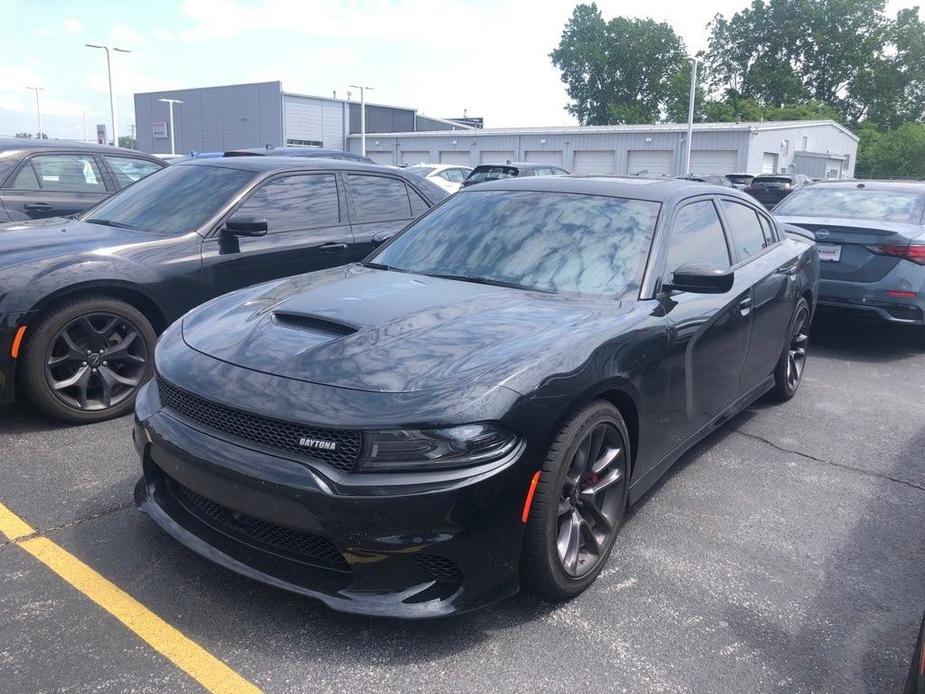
{"points": [[396, 549], [872, 298]]}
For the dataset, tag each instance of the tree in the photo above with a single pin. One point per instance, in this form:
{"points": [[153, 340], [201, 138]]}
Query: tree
{"points": [[619, 71], [127, 142], [898, 153], [28, 136]]}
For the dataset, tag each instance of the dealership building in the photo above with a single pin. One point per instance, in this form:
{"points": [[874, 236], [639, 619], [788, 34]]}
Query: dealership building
{"points": [[215, 119]]}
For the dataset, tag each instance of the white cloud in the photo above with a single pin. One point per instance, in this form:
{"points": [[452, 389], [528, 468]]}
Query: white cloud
{"points": [[72, 26], [123, 33]]}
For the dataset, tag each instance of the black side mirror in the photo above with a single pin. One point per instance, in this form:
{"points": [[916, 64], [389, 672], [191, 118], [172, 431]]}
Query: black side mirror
{"points": [[246, 226], [701, 279]]}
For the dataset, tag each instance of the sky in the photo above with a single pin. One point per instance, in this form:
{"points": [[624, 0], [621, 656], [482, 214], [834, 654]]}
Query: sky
{"points": [[487, 57]]}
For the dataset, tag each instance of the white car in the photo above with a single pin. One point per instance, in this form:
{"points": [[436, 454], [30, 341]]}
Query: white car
{"points": [[447, 176]]}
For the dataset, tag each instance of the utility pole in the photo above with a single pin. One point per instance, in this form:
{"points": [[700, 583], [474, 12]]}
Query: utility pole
{"points": [[362, 116], [690, 116], [83, 127], [170, 103], [112, 103], [131, 131], [38, 111]]}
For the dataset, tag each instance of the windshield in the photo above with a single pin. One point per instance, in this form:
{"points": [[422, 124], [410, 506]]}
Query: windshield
{"points": [[855, 203], [171, 201], [491, 173], [420, 170], [554, 242]]}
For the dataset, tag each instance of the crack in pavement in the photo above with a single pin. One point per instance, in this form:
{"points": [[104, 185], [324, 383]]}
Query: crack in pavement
{"points": [[862, 471], [70, 524]]}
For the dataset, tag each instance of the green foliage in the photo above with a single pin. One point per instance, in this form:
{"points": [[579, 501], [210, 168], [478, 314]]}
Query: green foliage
{"points": [[619, 71], [898, 153], [27, 136], [127, 142]]}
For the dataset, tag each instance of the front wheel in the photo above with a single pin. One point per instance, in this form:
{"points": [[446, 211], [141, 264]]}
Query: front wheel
{"points": [[788, 374], [579, 503], [85, 360]]}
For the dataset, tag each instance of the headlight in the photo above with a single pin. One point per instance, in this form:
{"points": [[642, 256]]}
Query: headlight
{"points": [[435, 449]]}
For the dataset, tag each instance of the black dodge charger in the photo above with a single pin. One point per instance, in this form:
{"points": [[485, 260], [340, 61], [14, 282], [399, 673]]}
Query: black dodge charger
{"points": [[473, 406]]}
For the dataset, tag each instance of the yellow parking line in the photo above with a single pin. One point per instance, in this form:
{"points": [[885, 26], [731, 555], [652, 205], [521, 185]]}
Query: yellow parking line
{"points": [[186, 654]]}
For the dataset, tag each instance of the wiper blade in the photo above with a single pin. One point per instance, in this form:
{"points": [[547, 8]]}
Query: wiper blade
{"points": [[376, 266], [492, 282], [110, 223]]}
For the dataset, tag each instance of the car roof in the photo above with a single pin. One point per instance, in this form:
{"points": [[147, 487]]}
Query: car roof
{"points": [[9, 144], [285, 163], [911, 186], [635, 187], [307, 152]]}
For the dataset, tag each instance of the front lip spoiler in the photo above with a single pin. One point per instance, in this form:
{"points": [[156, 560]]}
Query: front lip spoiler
{"points": [[369, 604]]}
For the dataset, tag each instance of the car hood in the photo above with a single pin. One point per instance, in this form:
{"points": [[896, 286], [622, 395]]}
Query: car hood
{"points": [[37, 239], [385, 331]]}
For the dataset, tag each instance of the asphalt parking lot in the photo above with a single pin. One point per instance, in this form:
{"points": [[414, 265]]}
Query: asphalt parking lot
{"points": [[784, 553]]}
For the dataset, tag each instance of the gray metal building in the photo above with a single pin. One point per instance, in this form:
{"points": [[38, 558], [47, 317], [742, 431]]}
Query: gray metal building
{"points": [[215, 119], [822, 149]]}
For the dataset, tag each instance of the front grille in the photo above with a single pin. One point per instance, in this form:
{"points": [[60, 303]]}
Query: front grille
{"points": [[439, 568], [272, 433], [296, 544]]}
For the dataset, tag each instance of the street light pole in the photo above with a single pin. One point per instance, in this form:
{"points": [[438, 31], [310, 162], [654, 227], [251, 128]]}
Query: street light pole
{"points": [[362, 116], [170, 103], [690, 116], [112, 103], [38, 111]]}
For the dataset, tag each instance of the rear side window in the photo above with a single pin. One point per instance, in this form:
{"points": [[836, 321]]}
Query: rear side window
{"points": [[418, 205], [295, 202], [748, 236], [377, 199], [697, 238], [129, 169], [63, 173]]}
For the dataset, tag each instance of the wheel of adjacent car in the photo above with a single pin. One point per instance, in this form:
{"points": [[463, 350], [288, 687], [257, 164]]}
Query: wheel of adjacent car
{"points": [[84, 360], [789, 371], [579, 503]]}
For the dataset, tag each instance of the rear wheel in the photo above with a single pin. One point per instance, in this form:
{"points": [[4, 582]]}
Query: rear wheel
{"points": [[579, 503], [789, 371], [85, 360]]}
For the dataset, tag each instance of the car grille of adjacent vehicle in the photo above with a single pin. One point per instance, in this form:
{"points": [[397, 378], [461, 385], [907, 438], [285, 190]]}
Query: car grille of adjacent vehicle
{"points": [[296, 544], [272, 433], [439, 568]]}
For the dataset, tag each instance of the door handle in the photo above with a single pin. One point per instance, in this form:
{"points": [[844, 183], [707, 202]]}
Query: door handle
{"points": [[333, 246], [38, 206], [745, 306]]}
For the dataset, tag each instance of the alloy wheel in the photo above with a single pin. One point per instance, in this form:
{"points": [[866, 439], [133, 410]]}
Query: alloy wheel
{"points": [[96, 361], [796, 357], [591, 501]]}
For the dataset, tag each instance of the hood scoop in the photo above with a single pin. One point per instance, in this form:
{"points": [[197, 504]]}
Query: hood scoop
{"points": [[314, 323]]}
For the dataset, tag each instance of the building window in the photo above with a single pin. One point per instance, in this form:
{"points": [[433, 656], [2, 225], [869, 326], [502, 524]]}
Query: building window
{"points": [[805, 143], [785, 147], [304, 143]]}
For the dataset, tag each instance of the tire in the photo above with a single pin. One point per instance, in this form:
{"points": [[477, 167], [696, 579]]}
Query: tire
{"points": [[71, 342], [785, 385], [544, 569]]}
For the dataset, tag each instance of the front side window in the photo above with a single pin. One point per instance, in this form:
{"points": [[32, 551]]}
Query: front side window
{"points": [[129, 169], [295, 202], [553, 242], [62, 173], [697, 238], [748, 236], [377, 199], [176, 199]]}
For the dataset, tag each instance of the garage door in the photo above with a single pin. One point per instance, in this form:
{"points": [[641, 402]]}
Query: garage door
{"points": [[715, 161], [594, 161], [543, 156], [651, 161], [769, 163], [490, 157], [380, 157], [461, 158], [833, 168], [415, 157]]}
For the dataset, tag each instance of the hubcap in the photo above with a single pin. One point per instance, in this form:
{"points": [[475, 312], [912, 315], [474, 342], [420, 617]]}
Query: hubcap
{"points": [[796, 356], [96, 361], [591, 501]]}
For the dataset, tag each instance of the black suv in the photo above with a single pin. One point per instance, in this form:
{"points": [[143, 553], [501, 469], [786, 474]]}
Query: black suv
{"points": [[57, 178], [82, 300], [497, 172], [770, 189]]}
